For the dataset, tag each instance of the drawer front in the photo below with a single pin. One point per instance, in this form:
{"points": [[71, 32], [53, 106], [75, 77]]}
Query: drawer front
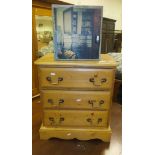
{"points": [[75, 118], [76, 78], [75, 99]]}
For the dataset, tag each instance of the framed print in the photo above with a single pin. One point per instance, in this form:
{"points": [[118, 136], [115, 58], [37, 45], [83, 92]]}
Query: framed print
{"points": [[77, 32]]}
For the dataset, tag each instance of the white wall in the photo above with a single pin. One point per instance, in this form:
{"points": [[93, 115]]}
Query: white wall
{"points": [[111, 8]]}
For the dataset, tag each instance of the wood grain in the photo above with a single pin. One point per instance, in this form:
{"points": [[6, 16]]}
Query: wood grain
{"points": [[35, 84], [57, 146], [76, 78], [75, 118], [71, 133], [76, 75], [75, 99], [105, 60]]}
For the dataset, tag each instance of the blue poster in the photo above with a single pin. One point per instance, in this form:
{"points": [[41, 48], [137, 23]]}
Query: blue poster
{"points": [[77, 32]]}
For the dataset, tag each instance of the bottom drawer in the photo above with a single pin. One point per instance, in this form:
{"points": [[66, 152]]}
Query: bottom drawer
{"points": [[75, 118]]}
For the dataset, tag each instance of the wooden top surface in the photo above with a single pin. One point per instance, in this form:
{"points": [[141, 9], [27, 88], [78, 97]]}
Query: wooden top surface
{"points": [[105, 61]]}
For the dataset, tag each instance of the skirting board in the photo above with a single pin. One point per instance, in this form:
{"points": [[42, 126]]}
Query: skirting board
{"points": [[71, 133]]}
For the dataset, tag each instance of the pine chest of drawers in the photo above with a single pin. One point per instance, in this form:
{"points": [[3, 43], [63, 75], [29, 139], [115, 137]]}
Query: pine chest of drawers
{"points": [[76, 98]]}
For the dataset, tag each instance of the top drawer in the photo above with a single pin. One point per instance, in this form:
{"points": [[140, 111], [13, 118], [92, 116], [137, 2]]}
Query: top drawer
{"points": [[76, 78]]}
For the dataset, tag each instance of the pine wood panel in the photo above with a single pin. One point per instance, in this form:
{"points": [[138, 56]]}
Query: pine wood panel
{"points": [[43, 12], [46, 4], [62, 99], [74, 146], [105, 61], [70, 133], [74, 118], [35, 84], [76, 78]]}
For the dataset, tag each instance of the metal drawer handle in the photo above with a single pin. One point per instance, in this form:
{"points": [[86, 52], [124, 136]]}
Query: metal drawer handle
{"points": [[99, 120], [103, 80], [61, 119], [60, 79], [50, 101], [48, 78], [89, 120], [91, 102], [94, 102], [101, 102], [51, 119], [91, 79], [61, 101]]}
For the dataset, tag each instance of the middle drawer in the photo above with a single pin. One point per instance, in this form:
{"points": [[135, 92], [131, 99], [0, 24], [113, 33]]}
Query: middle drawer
{"points": [[75, 99]]}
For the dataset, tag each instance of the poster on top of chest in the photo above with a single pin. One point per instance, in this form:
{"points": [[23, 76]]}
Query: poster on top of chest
{"points": [[77, 32]]}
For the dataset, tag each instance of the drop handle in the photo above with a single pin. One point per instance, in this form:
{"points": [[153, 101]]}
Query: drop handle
{"points": [[92, 102], [61, 119], [89, 120], [48, 78], [50, 101], [91, 79], [61, 101], [51, 119], [99, 120], [101, 102], [60, 79], [103, 80]]}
